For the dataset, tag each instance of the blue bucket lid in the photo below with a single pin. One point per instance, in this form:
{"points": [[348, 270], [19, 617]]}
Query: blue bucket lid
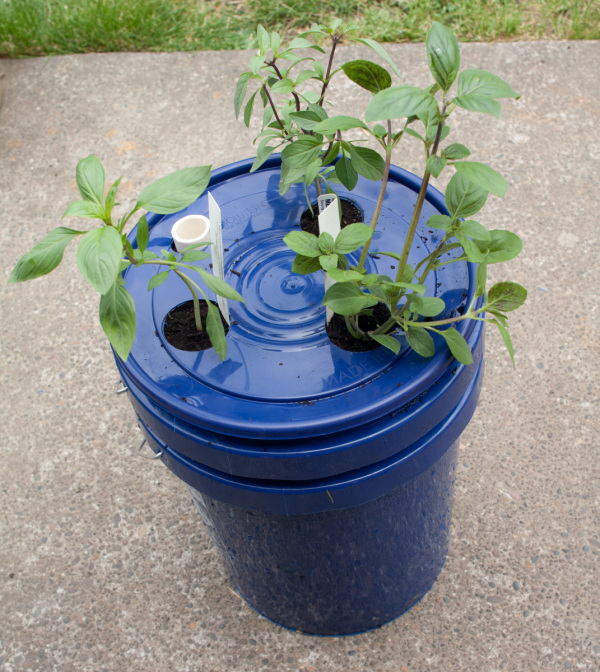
{"points": [[282, 376]]}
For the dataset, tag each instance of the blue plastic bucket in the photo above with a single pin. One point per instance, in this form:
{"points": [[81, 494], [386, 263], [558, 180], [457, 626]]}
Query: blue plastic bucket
{"points": [[324, 477]]}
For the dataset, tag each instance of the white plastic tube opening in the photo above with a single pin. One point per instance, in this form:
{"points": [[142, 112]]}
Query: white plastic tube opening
{"points": [[190, 230]]}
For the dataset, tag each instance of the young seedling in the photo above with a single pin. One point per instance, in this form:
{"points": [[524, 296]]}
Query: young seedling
{"points": [[105, 251]]}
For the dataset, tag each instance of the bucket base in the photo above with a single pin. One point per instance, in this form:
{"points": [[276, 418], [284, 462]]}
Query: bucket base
{"points": [[338, 572], [344, 634]]}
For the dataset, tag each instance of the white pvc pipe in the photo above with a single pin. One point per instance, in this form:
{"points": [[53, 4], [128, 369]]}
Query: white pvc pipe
{"points": [[190, 230]]}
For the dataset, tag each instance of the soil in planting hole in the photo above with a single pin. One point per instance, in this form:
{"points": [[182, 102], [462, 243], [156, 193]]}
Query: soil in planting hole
{"points": [[350, 215], [340, 336], [180, 327]]}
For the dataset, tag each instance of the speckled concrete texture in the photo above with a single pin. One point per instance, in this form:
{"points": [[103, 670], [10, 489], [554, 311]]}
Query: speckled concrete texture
{"points": [[104, 565]]}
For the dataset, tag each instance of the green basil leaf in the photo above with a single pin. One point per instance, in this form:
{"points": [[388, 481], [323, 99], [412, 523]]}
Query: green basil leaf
{"points": [[117, 317], [340, 122], [306, 119], [263, 152], [215, 330], [326, 242], [352, 237], [473, 229], [481, 278], [368, 75], [157, 279], [88, 209], [330, 157], [458, 346], [367, 162], [398, 102], [318, 110], [501, 246], [481, 104], [285, 85], [99, 256], [387, 341], [305, 265], [303, 243], [275, 42], [455, 151], [482, 176], [218, 286], [346, 173], [248, 109], [302, 43], [328, 261], [264, 39], [483, 83], [507, 340], [371, 279], [345, 298], [111, 196], [193, 255], [240, 92], [427, 306], [463, 198], [142, 234], [174, 192], [45, 256], [501, 317], [472, 252], [443, 54], [392, 255], [442, 222], [506, 296], [420, 341], [301, 152], [340, 275], [90, 177], [435, 165]]}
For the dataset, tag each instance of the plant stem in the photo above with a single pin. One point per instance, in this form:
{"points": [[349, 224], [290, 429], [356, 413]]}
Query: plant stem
{"points": [[191, 287], [450, 320], [318, 186], [353, 328], [131, 259], [378, 206], [433, 257], [266, 90], [412, 229], [383, 328], [329, 66]]}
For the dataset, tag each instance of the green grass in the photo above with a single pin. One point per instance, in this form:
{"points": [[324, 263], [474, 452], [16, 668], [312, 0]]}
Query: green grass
{"points": [[43, 27]]}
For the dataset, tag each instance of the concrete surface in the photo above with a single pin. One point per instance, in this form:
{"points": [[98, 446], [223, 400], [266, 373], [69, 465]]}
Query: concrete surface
{"points": [[104, 566]]}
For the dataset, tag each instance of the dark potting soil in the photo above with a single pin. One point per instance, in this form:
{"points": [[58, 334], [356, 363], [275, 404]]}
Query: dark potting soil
{"points": [[350, 215], [180, 327], [340, 336]]}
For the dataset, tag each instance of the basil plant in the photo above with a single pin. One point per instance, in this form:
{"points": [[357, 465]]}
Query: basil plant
{"points": [[104, 252], [315, 148]]}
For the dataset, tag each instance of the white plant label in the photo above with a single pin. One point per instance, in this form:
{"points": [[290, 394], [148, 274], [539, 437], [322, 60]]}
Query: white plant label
{"points": [[216, 249], [329, 222], [325, 200]]}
